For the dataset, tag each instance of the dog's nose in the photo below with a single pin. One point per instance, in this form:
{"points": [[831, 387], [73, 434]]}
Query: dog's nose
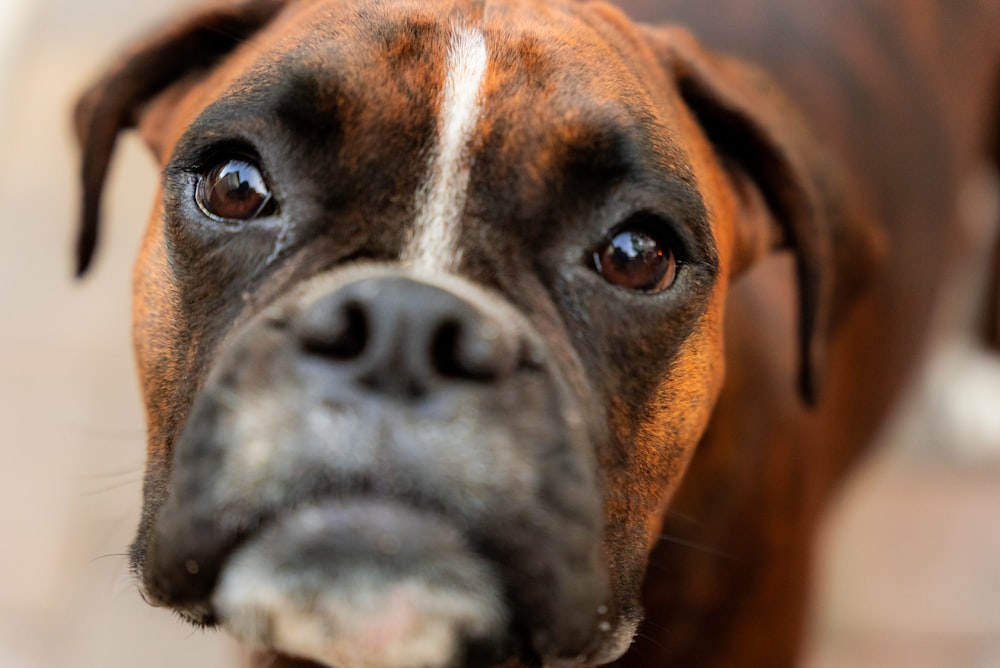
{"points": [[403, 337]]}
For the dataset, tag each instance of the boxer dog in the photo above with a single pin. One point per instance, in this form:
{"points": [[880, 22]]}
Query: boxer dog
{"points": [[512, 332]]}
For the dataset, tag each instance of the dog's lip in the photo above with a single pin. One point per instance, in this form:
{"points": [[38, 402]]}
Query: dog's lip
{"points": [[361, 497], [322, 564], [519, 635], [518, 639], [223, 531]]}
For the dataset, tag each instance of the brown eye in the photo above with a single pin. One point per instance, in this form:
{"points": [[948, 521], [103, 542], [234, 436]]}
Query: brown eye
{"points": [[632, 257], [233, 190]]}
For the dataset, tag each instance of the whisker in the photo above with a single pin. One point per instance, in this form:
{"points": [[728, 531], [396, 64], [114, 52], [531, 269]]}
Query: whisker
{"points": [[108, 556], [122, 584], [651, 639], [701, 547], [131, 470], [112, 487], [684, 517]]}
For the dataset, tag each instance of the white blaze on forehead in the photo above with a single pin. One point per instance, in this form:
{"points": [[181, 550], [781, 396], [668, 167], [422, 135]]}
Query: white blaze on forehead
{"points": [[441, 198]]}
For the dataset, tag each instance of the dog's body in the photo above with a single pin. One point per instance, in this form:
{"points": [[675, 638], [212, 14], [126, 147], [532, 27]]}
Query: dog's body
{"points": [[907, 94], [443, 299]]}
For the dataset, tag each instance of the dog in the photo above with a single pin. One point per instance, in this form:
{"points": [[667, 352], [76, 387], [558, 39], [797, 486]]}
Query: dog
{"points": [[521, 332]]}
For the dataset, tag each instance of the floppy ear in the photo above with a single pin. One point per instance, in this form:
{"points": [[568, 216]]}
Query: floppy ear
{"points": [[116, 100], [991, 318], [790, 193], [991, 314]]}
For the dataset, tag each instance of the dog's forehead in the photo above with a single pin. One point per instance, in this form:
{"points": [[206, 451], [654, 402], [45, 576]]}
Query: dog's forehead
{"points": [[563, 61], [433, 110]]}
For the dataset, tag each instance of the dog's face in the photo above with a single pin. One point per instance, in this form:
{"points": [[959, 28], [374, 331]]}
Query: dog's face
{"points": [[429, 316]]}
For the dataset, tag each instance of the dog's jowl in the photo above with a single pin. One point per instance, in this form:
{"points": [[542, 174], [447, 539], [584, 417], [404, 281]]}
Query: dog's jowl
{"points": [[441, 301]]}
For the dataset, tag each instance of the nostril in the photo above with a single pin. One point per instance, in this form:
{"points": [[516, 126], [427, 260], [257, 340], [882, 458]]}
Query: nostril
{"points": [[341, 333], [464, 351]]}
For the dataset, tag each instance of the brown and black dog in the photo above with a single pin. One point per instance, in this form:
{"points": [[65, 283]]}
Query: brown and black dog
{"points": [[482, 332]]}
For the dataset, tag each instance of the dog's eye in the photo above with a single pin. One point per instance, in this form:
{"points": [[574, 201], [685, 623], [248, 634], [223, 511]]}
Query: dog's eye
{"points": [[635, 257], [233, 189]]}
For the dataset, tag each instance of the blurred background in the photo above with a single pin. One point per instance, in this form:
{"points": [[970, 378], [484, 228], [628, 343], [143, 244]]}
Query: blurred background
{"points": [[910, 567]]}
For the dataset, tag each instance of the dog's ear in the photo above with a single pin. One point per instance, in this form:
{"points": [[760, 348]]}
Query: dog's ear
{"points": [[991, 319], [991, 314], [115, 101], [789, 192]]}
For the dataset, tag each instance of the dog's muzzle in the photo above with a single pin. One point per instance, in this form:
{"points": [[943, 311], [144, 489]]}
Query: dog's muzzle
{"points": [[383, 471]]}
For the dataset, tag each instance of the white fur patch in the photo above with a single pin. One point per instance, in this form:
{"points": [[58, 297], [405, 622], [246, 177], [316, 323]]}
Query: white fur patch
{"points": [[363, 621], [441, 199], [354, 613]]}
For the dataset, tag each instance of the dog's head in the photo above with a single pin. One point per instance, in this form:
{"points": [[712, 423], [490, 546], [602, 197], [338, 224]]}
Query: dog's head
{"points": [[428, 316]]}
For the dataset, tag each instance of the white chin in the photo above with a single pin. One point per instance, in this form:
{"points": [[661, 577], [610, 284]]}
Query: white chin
{"points": [[355, 612]]}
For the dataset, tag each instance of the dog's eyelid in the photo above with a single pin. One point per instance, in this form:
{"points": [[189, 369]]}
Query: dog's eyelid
{"points": [[218, 131], [201, 154]]}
